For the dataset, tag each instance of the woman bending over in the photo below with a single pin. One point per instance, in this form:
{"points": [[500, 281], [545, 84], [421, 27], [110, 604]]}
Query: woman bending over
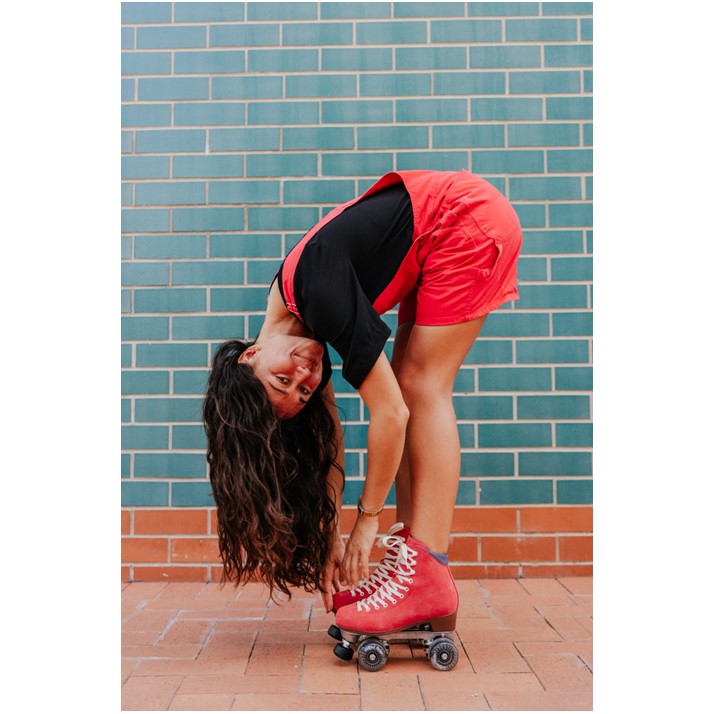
{"points": [[444, 247]]}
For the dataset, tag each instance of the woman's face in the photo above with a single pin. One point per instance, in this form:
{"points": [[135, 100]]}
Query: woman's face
{"points": [[290, 367]]}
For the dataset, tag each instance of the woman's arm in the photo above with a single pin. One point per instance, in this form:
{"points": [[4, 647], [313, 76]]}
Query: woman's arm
{"points": [[388, 416]]}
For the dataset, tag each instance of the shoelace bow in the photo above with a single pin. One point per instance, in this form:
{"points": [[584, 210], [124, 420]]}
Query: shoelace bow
{"points": [[404, 568], [386, 568]]}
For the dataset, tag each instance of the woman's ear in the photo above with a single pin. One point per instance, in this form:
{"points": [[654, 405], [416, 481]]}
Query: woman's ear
{"points": [[247, 355]]}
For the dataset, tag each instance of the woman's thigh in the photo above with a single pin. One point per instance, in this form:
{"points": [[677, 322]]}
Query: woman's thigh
{"points": [[428, 357]]}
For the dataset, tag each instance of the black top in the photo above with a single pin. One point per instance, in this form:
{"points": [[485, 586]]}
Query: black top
{"points": [[344, 268]]}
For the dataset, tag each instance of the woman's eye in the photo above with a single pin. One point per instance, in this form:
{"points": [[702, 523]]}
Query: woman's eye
{"points": [[304, 391], [282, 380]]}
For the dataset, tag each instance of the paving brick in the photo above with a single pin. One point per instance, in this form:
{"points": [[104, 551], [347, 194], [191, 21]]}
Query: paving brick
{"points": [[578, 586], [324, 675], [572, 628], [516, 681], [196, 644], [149, 693], [274, 659], [171, 653], [225, 683], [188, 668], [389, 691], [498, 657], [185, 632], [507, 700], [296, 702], [552, 589], [452, 691], [201, 702], [561, 672]]}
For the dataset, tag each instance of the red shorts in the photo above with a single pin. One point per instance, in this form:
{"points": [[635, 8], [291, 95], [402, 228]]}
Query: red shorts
{"points": [[464, 266]]}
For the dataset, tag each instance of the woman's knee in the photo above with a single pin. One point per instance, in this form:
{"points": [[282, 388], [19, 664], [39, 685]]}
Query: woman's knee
{"points": [[423, 388]]}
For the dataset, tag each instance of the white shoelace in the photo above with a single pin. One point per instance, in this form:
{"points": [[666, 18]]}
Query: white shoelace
{"points": [[386, 569], [395, 586]]}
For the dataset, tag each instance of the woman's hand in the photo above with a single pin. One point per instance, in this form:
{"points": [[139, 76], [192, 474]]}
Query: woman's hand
{"points": [[330, 571], [355, 563]]}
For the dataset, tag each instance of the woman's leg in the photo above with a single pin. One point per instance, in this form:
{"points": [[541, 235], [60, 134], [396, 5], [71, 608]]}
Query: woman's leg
{"points": [[422, 589], [427, 368], [403, 480]]}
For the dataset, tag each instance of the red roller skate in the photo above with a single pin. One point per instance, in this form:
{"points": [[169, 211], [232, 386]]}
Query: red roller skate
{"points": [[420, 603], [384, 572]]}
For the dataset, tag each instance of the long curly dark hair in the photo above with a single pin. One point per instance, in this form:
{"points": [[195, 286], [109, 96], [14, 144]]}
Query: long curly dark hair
{"points": [[269, 478]]}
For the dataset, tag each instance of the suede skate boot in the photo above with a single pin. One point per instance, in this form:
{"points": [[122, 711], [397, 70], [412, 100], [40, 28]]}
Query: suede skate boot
{"points": [[384, 572], [422, 591]]}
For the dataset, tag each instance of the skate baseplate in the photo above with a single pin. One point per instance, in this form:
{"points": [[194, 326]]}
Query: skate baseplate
{"points": [[373, 650]]}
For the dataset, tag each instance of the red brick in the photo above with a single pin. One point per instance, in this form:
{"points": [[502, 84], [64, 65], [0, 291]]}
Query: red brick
{"points": [[231, 684], [165, 573], [511, 700], [484, 571], [171, 522], [453, 700], [149, 693], [320, 676], [559, 519], [195, 550], [547, 590], [185, 632], [296, 702], [557, 570], [456, 690], [575, 548], [125, 522], [275, 659], [393, 688], [144, 550], [484, 520], [463, 549], [578, 586], [202, 702], [498, 658], [558, 672], [517, 549]]}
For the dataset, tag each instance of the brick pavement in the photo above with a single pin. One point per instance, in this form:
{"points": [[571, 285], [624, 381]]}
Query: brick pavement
{"points": [[524, 645]]}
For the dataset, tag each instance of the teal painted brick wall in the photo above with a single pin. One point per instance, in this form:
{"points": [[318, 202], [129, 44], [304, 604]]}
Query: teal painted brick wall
{"points": [[244, 123]]}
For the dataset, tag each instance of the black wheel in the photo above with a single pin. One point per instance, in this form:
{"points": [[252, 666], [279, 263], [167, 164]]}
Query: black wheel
{"points": [[372, 655], [334, 632], [443, 654], [343, 652]]}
